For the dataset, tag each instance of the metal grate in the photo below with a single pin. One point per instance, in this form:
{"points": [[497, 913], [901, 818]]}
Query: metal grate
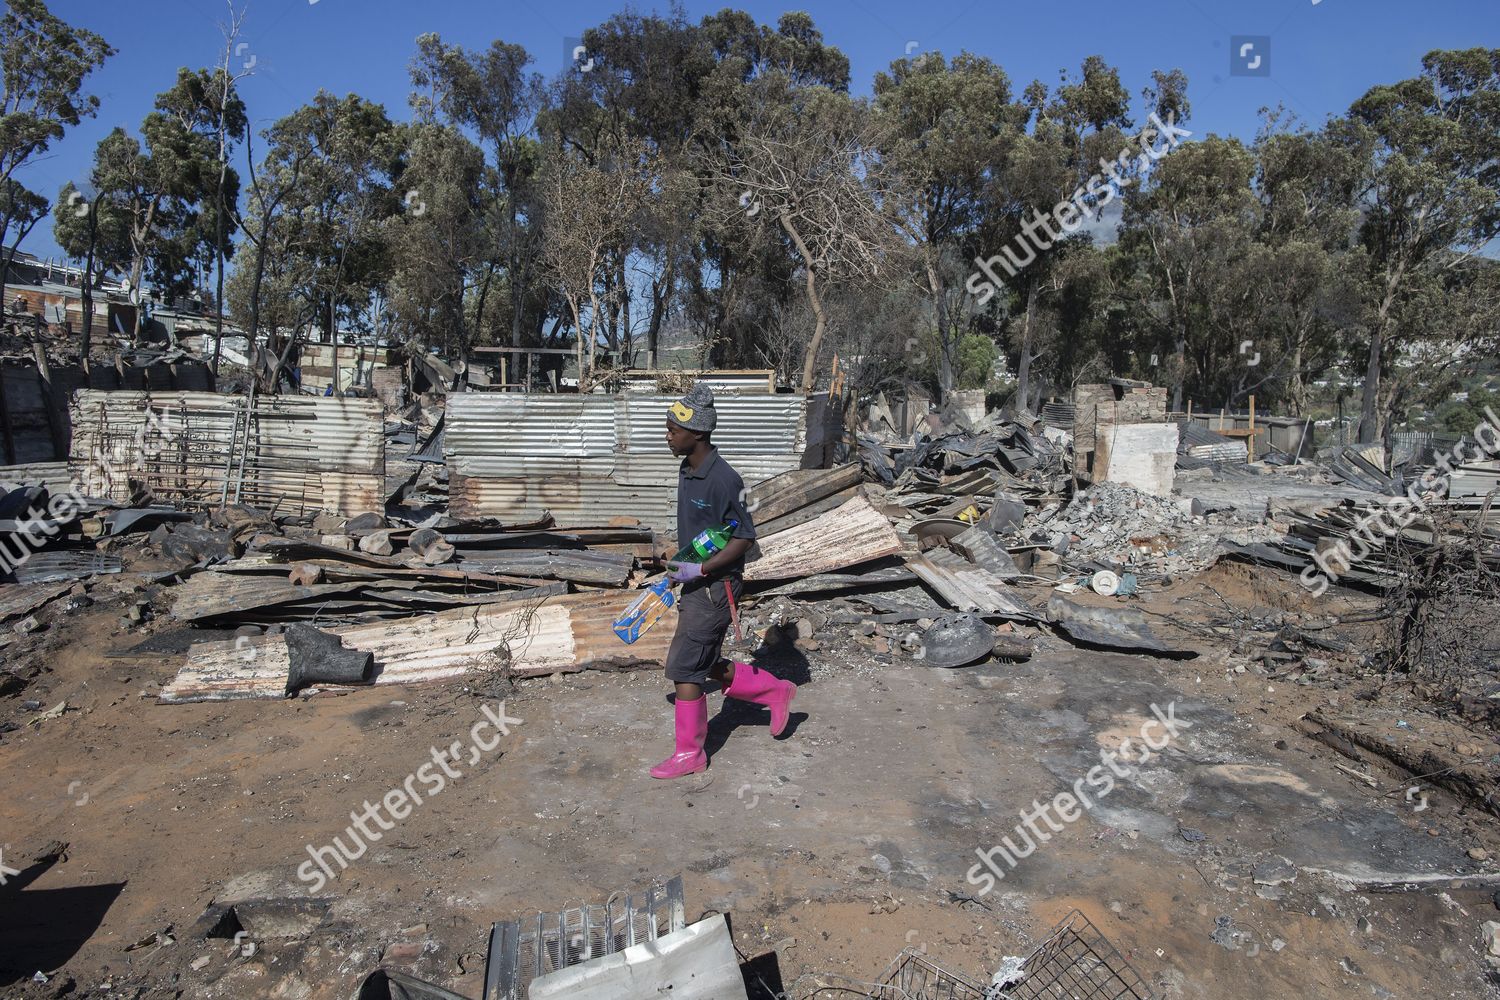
{"points": [[913, 977], [1076, 962], [522, 950]]}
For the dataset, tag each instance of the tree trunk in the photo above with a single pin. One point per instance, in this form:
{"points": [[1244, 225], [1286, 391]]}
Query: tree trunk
{"points": [[10, 259], [87, 291], [1023, 369], [945, 335], [1179, 348], [219, 254], [484, 294], [255, 285], [624, 312], [593, 337], [1369, 409], [577, 339], [517, 291], [660, 293], [1297, 390], [820, 322]]}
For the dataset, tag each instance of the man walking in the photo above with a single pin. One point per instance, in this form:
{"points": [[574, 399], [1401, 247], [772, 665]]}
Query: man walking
{"points": [[709, 493]]}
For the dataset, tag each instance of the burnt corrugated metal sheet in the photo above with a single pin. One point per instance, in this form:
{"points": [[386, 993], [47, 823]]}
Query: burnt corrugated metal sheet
{"points": [[1204, 447], [299, 454], [1478, 479], [53, 475], [561, 633], [590, 458], [1058, 415], [968, 587], [851, 534]]}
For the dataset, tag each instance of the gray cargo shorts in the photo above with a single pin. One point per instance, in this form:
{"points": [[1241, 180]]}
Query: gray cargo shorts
{"points": [[702, 621]]}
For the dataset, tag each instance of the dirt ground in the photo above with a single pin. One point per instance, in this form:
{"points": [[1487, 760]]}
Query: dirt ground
{"points": [[831, 849]]}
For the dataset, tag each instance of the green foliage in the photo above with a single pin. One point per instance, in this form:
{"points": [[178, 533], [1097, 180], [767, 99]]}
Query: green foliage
{"points": [[44, 61], [1462, 418], [974, 360], [713, 184]]}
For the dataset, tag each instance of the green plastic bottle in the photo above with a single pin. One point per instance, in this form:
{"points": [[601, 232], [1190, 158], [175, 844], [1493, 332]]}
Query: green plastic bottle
{"points": [[707, 542]]}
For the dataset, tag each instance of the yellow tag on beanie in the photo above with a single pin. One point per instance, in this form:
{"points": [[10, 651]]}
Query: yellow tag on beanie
{"points": [[681, 411]]}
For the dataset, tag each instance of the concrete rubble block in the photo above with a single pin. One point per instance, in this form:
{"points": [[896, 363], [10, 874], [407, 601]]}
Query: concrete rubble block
{"points": [[377, 543], [369, 521], [1139, 455], [437, 555], [261, 906], [424, 539], [326, 523], [305, 575], [338, 542], [1274, 872], [1491, 929]]}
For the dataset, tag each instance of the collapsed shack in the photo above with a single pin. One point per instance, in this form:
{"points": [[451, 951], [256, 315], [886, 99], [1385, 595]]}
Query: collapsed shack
{"points": [[260, 512], [1442, 630], [263, 529]]}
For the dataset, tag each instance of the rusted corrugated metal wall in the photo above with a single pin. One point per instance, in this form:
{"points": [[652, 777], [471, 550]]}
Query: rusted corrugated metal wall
{"points": [[590, 458], [292, 454]]}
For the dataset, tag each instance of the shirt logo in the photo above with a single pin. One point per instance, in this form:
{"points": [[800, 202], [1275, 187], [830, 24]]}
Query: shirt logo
{"points": [[701, 504]]}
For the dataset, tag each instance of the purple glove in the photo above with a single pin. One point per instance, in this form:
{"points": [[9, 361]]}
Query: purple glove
{"points": [[682, 572]]}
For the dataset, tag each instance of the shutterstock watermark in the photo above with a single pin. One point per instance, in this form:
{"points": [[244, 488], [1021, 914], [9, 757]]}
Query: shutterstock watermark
{"points": [[399, 801], [1391, 519], [1098, 782], [61, 508], [1070, 215]]}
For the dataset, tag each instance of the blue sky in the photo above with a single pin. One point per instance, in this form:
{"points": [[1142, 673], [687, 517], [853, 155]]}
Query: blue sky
{"points": [[1322, 53]]}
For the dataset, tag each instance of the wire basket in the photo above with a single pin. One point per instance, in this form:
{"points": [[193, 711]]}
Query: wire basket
{"points": [[913, 977], [1076, 962]]}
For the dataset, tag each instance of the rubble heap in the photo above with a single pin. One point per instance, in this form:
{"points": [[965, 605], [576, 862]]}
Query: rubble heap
{"points": [[1121, 527]]}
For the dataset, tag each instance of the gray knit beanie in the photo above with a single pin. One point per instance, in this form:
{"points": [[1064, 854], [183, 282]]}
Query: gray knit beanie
{"points": [[695, 411]]}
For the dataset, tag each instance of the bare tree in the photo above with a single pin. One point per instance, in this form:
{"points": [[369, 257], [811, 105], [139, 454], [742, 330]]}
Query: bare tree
{"points": [[803, 163], [590, 210], [226, 128]]}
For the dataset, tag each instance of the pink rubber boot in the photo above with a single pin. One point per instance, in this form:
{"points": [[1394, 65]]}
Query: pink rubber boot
{"points": [[692, 730], [755, 685]]}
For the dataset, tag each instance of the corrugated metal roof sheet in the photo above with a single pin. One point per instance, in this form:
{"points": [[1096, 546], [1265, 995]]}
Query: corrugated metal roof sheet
{"points": [[592, 457], [300, 453], [527, 637], [968, 587], [1476, 479], [1058, 415], [849, 535], [1200, 443]]}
